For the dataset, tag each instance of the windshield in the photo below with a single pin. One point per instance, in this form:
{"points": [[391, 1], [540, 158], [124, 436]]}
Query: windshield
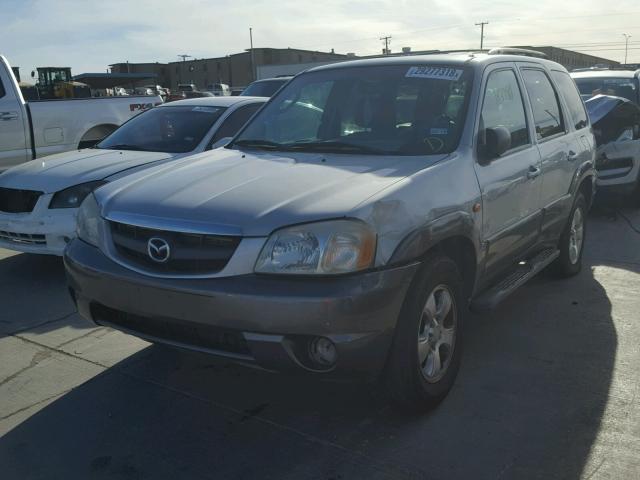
{"points": [[618, 87], [391, 110], [263, 89], [166, 129]]}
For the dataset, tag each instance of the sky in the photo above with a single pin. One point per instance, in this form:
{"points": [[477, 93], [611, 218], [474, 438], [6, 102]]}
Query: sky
{"points": [[89, 35]]}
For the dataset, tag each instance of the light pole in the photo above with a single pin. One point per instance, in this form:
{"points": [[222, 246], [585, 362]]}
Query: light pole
{"points": [[626, 46], [252, 58], [184, 59]]}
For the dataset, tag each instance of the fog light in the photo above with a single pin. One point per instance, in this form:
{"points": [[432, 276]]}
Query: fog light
{"points": [[323, 351]]}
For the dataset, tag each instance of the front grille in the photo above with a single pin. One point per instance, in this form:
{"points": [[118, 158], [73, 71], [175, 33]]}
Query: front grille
{"points": [[171, 330], [190, 254], [18, 201], [23, 238]]}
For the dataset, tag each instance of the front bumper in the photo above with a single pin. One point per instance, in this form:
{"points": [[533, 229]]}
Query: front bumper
{"points": [[619, 171], [252, 318], [46, 231]]}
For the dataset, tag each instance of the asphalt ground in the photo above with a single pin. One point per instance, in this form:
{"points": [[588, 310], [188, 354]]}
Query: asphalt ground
{"points": [[548, 389]]}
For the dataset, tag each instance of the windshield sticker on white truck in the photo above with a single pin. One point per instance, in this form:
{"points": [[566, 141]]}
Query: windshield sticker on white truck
{"points": [[436, 73]]}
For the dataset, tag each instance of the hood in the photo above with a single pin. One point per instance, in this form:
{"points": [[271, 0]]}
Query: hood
{"points": [[57, 172], [611, 116], [228, 191]]}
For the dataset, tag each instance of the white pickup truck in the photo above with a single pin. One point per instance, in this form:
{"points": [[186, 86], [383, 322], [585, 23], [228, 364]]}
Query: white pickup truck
{"points": [[29, 130]]}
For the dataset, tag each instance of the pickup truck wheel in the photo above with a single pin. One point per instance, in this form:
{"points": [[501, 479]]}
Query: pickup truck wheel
{"points": [[425, 355], [571, 244]]}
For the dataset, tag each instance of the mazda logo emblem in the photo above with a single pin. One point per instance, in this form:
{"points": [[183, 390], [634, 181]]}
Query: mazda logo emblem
{"points": [[158, 250]]}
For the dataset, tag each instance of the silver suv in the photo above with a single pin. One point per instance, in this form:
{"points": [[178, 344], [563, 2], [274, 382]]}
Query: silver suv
{"points": [[349, 226]]}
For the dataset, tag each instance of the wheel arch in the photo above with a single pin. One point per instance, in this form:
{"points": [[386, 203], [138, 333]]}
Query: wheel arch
{"points": [[584, 181], [452, 235], [95, 134]]}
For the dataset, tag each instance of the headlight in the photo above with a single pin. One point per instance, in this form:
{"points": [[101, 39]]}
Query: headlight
{"points": [[89, 221], [323, 248], [72, 197]]}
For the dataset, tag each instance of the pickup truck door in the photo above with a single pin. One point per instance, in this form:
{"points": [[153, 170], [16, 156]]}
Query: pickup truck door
{"points": [[14, 147], [510, 184]]}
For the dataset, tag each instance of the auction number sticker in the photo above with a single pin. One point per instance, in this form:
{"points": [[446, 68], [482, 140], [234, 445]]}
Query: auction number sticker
{"points": [[437, 73]]}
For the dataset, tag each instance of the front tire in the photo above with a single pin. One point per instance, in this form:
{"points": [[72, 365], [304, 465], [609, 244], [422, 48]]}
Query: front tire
{"points": [[571, 244], [425, 355]]}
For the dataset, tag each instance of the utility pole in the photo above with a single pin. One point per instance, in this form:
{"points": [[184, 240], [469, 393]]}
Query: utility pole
{"points": [[253, 60], [481, 25], [386, 44], [626, 46]]}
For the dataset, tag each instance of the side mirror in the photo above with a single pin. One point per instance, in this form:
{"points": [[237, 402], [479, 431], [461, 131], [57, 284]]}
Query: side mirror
{"points": [[221, 143], [497, 140]]}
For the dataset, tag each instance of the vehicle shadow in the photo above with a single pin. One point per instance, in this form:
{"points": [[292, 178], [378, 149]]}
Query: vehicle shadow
{"points": [[33, 291], [528, 403]]}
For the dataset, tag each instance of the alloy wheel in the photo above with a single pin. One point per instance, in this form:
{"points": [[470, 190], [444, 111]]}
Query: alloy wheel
{"points": [[437, 333]]}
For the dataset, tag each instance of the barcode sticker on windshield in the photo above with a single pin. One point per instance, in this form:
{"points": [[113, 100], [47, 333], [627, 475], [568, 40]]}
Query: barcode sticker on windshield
{"points": [[437, 73]]}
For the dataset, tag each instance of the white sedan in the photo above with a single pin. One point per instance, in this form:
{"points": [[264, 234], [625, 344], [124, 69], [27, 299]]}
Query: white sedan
{"points": [[39, 200]]}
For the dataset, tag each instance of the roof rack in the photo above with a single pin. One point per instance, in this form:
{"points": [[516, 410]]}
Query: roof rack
{"points": [[517, 51]]}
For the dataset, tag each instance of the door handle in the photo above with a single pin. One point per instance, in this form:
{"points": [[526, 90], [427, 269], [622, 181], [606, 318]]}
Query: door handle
{"points": [[6, 116], [571, 156], [533, 172]]}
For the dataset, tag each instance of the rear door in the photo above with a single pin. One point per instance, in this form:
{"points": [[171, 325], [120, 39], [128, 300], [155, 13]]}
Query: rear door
{"points": [[511, 183], [561, 148], [14, 147]]}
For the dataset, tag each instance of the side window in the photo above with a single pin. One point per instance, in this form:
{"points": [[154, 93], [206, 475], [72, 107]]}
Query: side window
{"points": [[235, 121], [572, 97], [2, 92], [544, 102], [503, 107]]}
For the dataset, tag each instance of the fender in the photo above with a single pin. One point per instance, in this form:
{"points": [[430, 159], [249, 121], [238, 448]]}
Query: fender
{"points": [[423, 238]]}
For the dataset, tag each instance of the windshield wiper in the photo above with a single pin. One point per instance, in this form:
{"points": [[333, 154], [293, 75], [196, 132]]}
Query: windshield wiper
{"points": [[335, 146], [126, 146], [260, 144]]}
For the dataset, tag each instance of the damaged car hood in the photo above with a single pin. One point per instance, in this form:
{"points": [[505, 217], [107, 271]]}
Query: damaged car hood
{"points": [[57, 172], [251, 193], [611, 116]]}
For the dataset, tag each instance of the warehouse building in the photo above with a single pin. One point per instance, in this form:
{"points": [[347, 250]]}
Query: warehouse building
{"points": [[570, 59], [240, 69], [236, 70]]}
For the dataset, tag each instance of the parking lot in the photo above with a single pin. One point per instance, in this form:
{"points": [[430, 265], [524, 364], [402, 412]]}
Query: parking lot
{"points": [[548, 389]]}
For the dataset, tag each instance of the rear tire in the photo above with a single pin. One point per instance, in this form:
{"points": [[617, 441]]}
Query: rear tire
{"points": [[425, 355], [571, 244]]}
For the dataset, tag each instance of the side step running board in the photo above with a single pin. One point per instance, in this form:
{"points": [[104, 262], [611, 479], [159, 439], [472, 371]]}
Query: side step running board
{"points": [[518, 277]]}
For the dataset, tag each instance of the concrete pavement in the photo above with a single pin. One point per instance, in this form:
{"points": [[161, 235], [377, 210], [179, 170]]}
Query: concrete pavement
{"points": [[548, 389]]}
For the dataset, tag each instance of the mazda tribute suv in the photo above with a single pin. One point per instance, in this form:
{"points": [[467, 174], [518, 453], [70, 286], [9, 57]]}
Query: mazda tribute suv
{"points": [[351, 224]]}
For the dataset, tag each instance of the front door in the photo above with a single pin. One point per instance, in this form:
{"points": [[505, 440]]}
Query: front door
{"points": [[511, 183], [13, 140]]}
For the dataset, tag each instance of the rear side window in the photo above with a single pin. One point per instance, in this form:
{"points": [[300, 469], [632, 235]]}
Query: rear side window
{"points": [[572, 97], [544, 102], [503, 107], [2, 92], [235, 121]]}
